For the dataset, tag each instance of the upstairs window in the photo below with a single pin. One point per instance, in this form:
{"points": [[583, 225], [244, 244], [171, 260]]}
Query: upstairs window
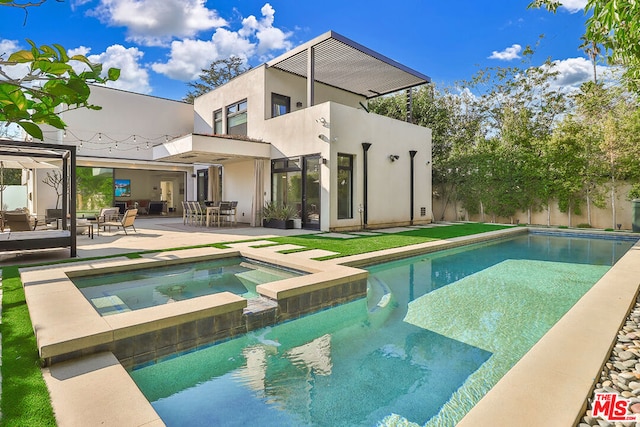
{"points": [[217, 122], [237, 118], [280, 105]]}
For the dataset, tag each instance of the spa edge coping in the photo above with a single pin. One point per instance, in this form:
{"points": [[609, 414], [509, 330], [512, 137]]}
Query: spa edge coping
{"points": [[498, 406], [64, 321]]}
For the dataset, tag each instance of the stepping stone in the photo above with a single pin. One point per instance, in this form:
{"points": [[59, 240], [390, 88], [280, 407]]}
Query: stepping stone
{"points": [[336, 235], [278, 248], [314, 253], [394, 230], [250, 244]]}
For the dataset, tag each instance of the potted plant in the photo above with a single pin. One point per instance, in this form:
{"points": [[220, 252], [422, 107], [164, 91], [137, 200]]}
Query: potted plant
{"points": [[279, 216]]}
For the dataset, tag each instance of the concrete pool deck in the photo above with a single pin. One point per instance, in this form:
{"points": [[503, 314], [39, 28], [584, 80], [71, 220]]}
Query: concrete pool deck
{"points": [[558, 380]]}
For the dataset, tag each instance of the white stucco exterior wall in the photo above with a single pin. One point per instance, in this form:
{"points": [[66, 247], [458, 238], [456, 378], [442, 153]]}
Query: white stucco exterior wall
{"points": [[124, 114]]}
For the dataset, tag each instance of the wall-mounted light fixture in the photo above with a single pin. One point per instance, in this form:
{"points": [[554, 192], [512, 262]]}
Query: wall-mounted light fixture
{"points": [[298, 104], [393, 157], [323, 122], [325, 138]]}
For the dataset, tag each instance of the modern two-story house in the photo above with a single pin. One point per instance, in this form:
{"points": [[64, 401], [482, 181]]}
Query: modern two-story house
{"points": [[295, 130]]}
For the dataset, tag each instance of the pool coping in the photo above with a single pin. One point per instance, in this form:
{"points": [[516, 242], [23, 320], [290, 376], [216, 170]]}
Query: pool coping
{"points": [[567, 359], [66, 323]]}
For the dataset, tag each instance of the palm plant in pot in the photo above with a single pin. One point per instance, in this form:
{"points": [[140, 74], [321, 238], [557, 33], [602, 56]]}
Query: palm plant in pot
{"points": [[276, 215]]}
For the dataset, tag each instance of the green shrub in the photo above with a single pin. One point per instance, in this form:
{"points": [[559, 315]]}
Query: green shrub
{"points": [[273, 210], [584, 225]]}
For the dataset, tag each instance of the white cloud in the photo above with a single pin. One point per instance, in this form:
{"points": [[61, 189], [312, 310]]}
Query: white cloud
{"points": [[187, 59], [156, 23], [573, 72], [508, 54], [133, 77], [573, 6], [256, 36], [269, 37], [7, 47]]}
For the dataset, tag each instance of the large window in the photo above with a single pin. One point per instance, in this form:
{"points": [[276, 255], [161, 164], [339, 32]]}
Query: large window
{"points": [[286, 182], [237, 118], [95, 188], [280, 105], [217, 122], [345, 186]]}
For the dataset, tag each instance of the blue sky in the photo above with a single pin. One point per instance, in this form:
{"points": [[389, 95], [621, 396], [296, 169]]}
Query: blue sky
{"points": [[161, 44]]}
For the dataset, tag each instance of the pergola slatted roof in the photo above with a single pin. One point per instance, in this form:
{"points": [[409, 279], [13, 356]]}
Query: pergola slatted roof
{"points": [[345, 64]]}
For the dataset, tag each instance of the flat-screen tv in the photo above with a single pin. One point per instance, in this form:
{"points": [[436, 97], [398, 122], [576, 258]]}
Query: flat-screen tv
{"points": [[122, 188]]}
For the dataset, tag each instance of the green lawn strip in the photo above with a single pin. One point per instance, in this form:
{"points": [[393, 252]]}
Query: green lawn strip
{"points": [[25, 398], [363, 244]]}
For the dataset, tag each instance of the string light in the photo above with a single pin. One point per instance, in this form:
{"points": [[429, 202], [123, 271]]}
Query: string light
{"points": [[120, 143]]}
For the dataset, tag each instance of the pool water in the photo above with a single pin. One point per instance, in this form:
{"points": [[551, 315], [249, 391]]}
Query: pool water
{"points": [[434, 334], [147, 287]]}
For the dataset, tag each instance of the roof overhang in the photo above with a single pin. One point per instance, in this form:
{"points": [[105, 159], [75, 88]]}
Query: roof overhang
{"points": [[208, 149], [347, 65]]}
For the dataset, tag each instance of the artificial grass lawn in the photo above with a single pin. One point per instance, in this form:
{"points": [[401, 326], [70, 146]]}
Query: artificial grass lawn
{"points": [[25, 398], [362, 244]]}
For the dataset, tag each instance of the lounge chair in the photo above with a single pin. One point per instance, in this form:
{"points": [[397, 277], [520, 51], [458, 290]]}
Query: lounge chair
{"points": [[52, 216], [107, 214], [19, 221], [127, 221]]}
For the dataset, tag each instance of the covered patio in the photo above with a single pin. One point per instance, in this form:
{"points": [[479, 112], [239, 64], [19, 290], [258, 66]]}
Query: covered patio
{"points": [[244, 162]]}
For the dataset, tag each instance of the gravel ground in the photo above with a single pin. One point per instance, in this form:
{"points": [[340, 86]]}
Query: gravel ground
{"points": [[621, 373]]}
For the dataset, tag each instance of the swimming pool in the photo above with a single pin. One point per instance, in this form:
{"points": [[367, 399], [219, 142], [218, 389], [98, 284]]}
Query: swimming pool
{"points": [[434, 334], [119, 292]]}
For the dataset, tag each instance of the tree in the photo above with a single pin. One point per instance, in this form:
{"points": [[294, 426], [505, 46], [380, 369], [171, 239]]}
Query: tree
{"points": [[218, 73], [48, 88], [614, 24], [54, 180], [51, 85]]}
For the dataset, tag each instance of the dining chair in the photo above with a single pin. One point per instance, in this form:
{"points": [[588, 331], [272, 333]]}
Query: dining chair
{"points": [[198, 215], [186, 212], [224, 212]]}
